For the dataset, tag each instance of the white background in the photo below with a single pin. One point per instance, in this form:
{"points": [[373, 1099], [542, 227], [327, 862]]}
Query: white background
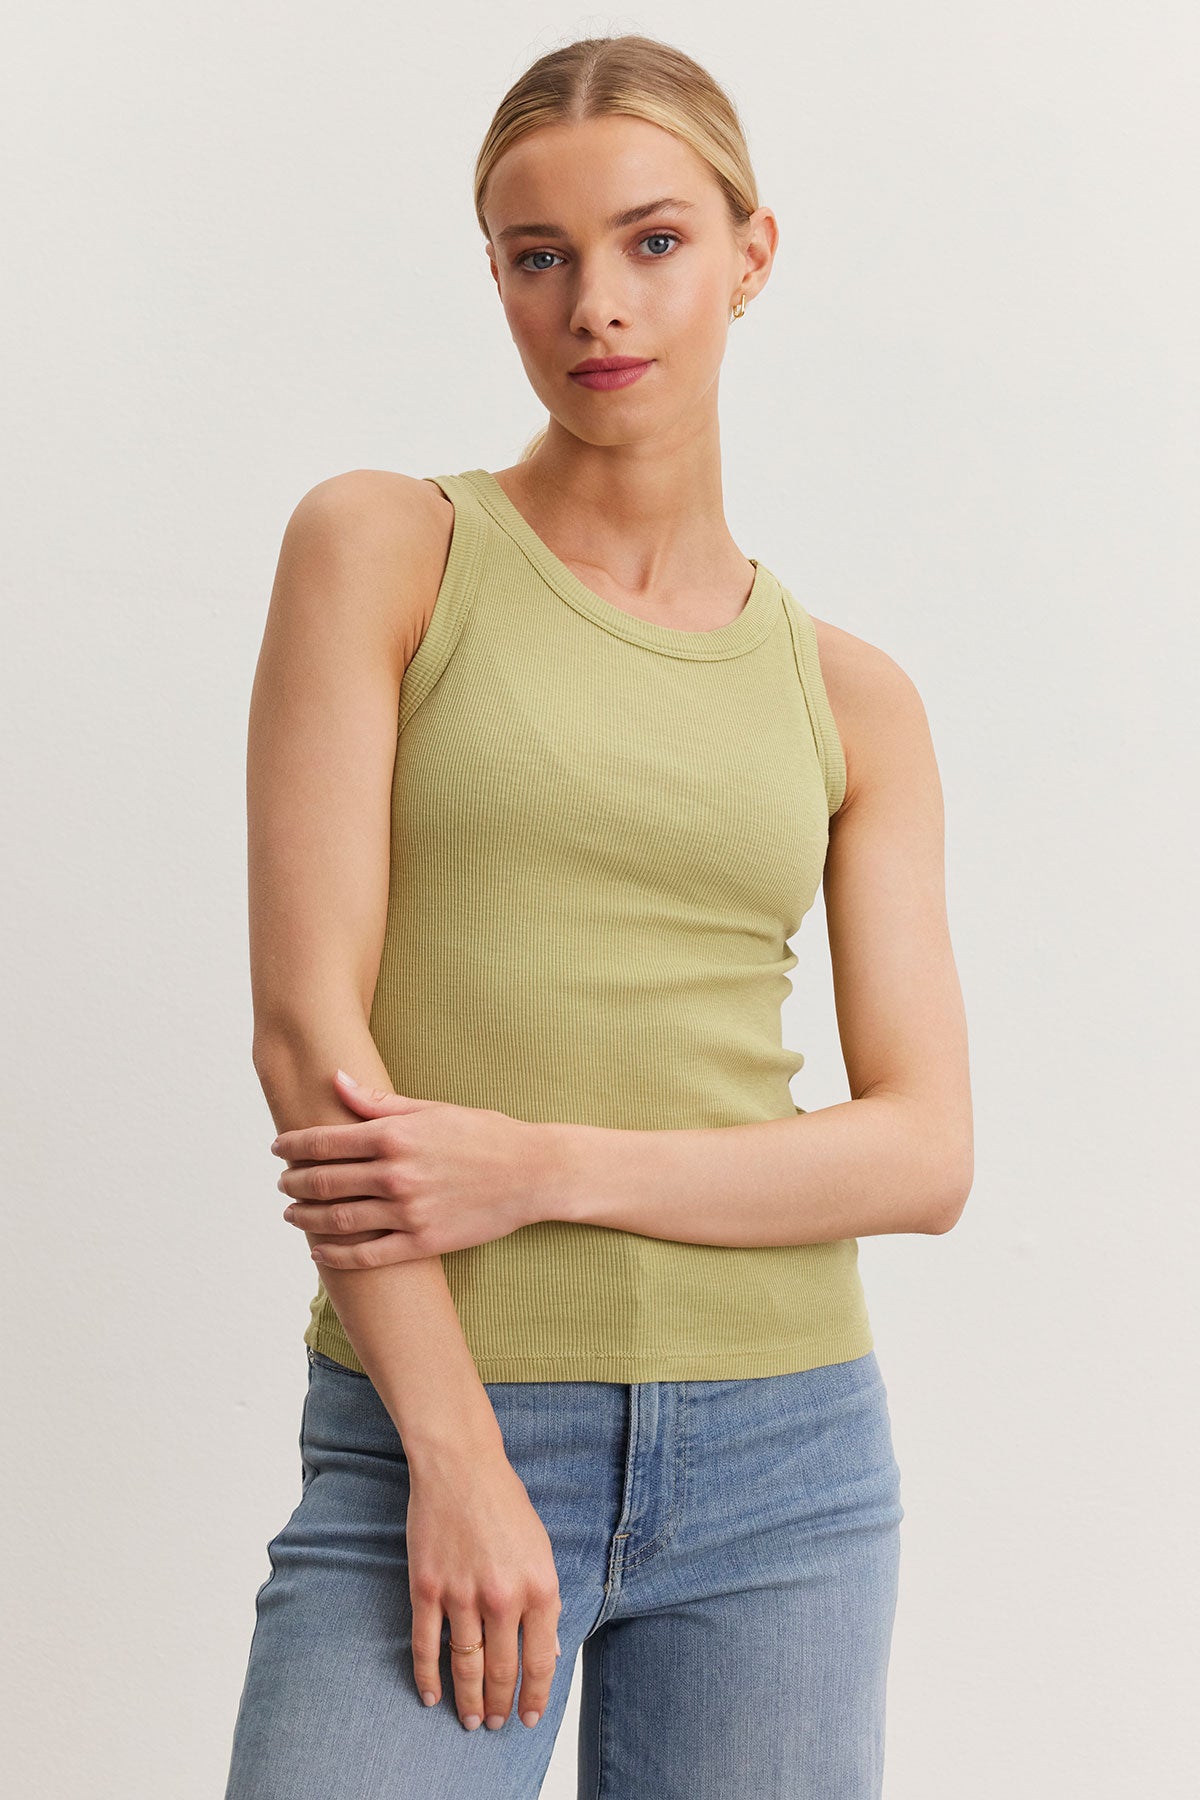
{"points": [[961, 421]]}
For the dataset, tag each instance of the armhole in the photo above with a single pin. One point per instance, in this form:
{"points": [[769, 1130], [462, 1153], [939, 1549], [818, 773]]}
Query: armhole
{"points": [[453, 602], [808, 665]]}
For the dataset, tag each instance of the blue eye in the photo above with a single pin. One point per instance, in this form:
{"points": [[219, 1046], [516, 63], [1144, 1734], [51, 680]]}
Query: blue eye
{"points": [[521, 260], [662, 237]]}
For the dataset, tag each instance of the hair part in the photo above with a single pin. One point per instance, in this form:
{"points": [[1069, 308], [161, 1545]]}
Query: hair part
{"points": [[641, 78]]}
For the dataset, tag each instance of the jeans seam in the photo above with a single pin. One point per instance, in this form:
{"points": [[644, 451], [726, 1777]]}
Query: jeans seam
{"points": [[679, 1479], [601, 1713]]}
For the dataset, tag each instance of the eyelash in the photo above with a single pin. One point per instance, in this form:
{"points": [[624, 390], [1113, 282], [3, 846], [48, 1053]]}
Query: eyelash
{"points": [[665, 257]]}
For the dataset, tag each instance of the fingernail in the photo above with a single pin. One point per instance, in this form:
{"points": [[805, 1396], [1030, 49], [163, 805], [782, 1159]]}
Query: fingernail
{"points": [[429, 1699], [530, 1717], [557, 1645], [318, 1256], [472, 1721], [494, 1721], [349, 1079]]}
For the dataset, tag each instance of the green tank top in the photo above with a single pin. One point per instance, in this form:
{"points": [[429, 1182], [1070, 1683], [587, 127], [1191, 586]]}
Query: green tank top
{"points": [[604, 831]]}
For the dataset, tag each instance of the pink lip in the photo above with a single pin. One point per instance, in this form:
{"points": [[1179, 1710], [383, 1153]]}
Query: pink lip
{"points": [[609, 378]]}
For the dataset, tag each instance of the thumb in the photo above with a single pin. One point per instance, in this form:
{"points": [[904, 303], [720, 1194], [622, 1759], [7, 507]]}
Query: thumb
{"points": [[372, 1102]]}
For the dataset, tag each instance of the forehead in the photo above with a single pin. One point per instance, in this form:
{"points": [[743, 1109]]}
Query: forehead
{"points": [[585, 173]]}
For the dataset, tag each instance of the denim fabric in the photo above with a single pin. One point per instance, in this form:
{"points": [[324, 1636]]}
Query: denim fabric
{"points": [[727, 1555]]}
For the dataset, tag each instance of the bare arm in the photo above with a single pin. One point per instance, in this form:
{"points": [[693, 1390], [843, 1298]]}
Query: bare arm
{"points": [[357, 573]]}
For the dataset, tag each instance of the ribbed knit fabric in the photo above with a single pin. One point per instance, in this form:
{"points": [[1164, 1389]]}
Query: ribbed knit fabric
{"points": [[603, 832]]}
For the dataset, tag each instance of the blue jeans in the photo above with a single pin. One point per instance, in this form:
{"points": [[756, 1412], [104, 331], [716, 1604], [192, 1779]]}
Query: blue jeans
{"points": [[727, 1556]]}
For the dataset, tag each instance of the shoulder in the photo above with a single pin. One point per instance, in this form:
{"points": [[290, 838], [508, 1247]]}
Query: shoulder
{"points": [[879, 714], [373, 538], [372, 509]]}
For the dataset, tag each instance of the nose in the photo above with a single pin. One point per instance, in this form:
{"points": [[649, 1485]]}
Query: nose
{"points": [[598, 304]]}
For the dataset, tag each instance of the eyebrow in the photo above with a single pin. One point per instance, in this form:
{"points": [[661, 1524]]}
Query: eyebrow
{"points": [[630, 217]]}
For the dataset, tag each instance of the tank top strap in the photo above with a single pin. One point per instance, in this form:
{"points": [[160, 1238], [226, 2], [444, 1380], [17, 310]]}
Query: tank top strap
{"points": [[454, 597], [808, 668]]}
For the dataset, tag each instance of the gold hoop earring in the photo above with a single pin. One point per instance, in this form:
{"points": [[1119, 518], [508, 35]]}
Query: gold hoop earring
{"points": [[740, 308]]}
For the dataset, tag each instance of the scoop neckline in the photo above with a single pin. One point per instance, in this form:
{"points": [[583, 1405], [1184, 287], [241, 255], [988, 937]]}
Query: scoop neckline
{"points": [[738, 635]]}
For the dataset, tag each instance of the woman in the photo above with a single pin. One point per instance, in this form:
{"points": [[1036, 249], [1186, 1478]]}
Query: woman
{"points": [[589, 1364]]}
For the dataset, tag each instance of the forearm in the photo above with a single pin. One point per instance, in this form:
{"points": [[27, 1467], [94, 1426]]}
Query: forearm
{"points": [[400, 1318], [857, 1169]]}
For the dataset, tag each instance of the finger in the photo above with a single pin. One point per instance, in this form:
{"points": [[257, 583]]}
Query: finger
{"points": [[501, 1666], [341, 1216], [368, 1251], [466, 1666], [333, 1181], [334, 1143], [539, 1653], [427, 1649]]}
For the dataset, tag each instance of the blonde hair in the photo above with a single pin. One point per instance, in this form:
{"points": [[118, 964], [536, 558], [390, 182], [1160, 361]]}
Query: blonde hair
{"points": [[643, 79]]}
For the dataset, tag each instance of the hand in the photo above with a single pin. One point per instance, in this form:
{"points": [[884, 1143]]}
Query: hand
{"points": [[426, 1175], [479, 1554]]}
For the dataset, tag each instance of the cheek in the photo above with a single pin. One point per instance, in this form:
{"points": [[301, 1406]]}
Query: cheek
{"points": [[520, 302], [689, 326], [689, 304], [535, 326]]}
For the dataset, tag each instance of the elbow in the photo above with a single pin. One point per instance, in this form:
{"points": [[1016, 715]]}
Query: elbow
{"points": [[276, 1056], [266, 1053], [285, 1039], [954, 1190], [939, 1159], [948, 1141]]}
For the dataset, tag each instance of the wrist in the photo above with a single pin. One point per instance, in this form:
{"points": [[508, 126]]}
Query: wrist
{"points": [[557, 1187], [445, 1443]]}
